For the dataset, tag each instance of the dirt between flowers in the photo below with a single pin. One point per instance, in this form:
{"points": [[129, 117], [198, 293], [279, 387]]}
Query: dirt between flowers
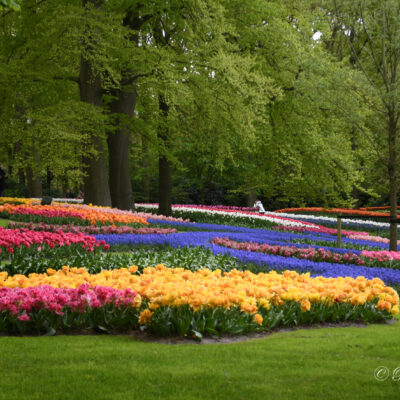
{"points": [[223, 339]]}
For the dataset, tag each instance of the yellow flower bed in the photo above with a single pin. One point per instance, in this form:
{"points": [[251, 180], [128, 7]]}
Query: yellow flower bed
{"points": [[204, 288], [20, 200]]}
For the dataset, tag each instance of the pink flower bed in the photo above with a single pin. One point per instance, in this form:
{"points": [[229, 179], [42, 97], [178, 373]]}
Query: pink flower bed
{"points": [[330, 231], [19, 302], [14, 238], [160, 217], [42, 211], [322, 229], [381, 255], [371, 238], [90, 229], [291, 251]]}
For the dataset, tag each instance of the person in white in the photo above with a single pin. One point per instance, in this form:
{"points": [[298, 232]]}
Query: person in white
{"points": [[259, 206]]}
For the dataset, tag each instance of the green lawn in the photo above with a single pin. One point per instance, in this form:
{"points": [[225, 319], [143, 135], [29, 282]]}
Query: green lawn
{"points": [[329, 363], [4, 222]]}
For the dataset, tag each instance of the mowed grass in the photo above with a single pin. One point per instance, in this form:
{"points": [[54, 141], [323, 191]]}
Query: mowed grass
{"points": [[326, 363], [4, 222]]}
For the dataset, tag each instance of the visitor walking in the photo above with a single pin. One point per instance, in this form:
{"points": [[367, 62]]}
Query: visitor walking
{"points": [[259, 206]]}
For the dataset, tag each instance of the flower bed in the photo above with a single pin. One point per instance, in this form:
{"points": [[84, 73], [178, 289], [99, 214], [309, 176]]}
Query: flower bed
{"points": [[342, 211], [267, 261], [18, 200], [330, 231], [177, 301], [292, 251], [322, 229], [322, 219], [61, 213], [45, 309], [10, 239], [210, 211], [89, 229], [381, 255], [129, 213], [170, 301], [24, 251]]}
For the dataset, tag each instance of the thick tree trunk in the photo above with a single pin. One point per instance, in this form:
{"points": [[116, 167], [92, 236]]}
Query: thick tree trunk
{"points": [[118, 149], [96, 188], [146, 173], [49, 178], [21, 171], [251, 198], [202, 194], [392, 169], [34, 184], [21, 177], [164, 186], [33, 176], [124, 102], [164, 166]]}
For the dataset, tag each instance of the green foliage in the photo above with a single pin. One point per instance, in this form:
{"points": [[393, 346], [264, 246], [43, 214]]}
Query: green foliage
{"points": [[26, 261], [9, 4], [256, 103]]}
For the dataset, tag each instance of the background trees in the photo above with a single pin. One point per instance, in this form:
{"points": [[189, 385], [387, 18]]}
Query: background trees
{"points": [[369, 33], [198, 101]]}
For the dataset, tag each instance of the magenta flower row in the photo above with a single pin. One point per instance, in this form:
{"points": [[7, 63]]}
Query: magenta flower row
{"points": [[89, 229], [291, 251], [14, 238], [22, 301]]}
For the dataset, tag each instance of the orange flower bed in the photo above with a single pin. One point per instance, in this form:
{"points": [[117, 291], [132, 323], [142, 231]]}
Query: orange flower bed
{"points": [[92, 215]]}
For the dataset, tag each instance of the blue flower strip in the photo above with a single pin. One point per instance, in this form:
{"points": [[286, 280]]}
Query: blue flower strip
{"points": [[185, 239]]}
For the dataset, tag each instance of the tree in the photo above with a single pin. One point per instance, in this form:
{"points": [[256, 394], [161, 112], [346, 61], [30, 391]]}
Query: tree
{"points": [[371, 29], [9, 4], [295, 155]]}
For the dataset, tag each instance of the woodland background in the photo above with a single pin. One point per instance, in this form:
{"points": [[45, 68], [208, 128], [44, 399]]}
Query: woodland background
{"points": [[200, 101]]}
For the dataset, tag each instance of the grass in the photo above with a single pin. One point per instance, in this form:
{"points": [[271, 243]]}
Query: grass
{"points": [[332, 363], [4, 222]]}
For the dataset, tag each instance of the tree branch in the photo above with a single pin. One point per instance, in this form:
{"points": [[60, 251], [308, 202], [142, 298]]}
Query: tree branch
{"points": [[68, 78], [131, 79]]}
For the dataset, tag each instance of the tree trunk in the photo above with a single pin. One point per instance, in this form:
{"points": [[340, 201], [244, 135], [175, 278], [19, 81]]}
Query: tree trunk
{"points": [[124, 102], [21, 171], [146, 173], [251, 198], [33, 176], [392, 169], [164, 186], [96, 188], [49, 178], [34, 184], [21, 177], [118, 149], [202, 194], [164, 166]]}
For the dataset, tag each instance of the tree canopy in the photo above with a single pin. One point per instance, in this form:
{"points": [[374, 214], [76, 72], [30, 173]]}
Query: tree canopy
{"points": [[200, 101]]}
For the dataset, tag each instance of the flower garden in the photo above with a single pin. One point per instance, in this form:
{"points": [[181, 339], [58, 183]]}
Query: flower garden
{"points": [[207, 271]]}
